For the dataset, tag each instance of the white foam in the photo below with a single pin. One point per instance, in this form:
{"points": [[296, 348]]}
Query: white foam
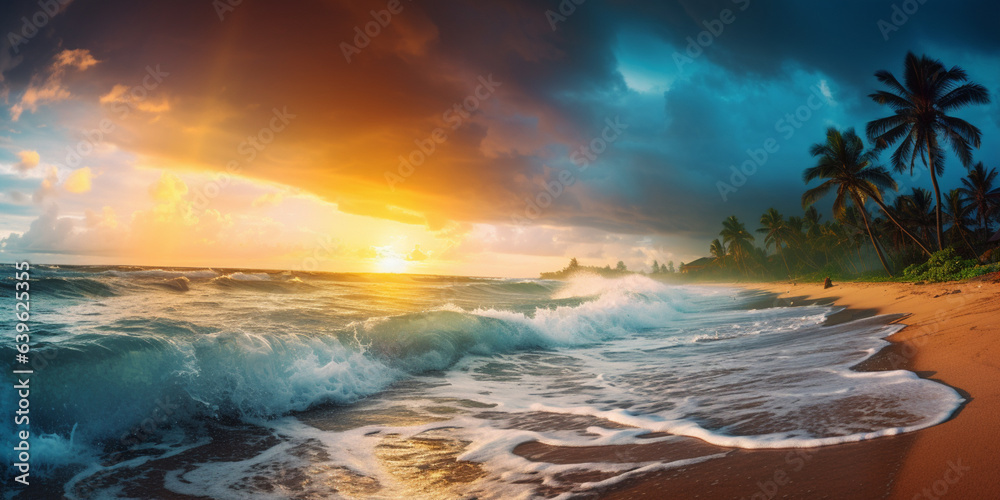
{"points": [[239, 276], [592, 285]]}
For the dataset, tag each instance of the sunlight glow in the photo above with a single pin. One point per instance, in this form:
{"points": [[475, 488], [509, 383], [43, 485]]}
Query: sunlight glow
{"points": [[391, 263]]}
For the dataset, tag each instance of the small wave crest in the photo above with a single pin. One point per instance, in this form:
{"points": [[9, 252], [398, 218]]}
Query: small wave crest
{"points": [[180, 284], [162, 273], [66, 288], [261, 282]]}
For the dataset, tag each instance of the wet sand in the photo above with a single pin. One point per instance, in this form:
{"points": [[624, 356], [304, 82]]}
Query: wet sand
{"points": [[952, 336]]}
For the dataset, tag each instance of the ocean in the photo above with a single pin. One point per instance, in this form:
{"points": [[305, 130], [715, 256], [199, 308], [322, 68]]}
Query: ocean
{"points": [[242, 384]]}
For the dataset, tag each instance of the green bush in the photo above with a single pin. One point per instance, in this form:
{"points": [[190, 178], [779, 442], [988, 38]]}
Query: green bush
{"points": [[946, 265]]}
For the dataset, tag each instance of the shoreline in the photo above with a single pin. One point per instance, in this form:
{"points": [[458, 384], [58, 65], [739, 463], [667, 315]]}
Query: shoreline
{"points": [[952, 336]]}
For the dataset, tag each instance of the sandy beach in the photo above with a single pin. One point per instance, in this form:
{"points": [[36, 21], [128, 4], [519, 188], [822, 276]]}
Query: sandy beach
{"points": [[951, 337]]}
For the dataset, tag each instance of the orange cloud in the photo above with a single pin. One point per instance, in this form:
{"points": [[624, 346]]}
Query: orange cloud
{"points": [[121, 94], [268, 200], [29, 160], [79, 181], [50, 87]]}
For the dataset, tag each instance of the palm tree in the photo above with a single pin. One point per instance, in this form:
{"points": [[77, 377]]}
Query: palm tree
{"points": [[813, 230], [798, 240], [976, 188], [739, 241], [918, 211], [718, 250], [958, 215], [775, 233], [920, 118], [854, 232], [831, 238], [890, 230], [811, 218], [845, 164]]}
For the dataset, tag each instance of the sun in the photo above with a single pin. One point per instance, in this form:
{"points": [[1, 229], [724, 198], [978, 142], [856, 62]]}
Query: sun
{"points": [[390, 264]]}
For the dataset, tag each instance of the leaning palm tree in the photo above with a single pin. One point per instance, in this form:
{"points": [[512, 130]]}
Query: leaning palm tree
{"points": [[775, 233], [976, 188], [844, 164], [920, 120], [739, 241]]}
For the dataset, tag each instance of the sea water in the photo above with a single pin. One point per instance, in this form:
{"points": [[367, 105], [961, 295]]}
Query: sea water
{"points": [[242, 384]]}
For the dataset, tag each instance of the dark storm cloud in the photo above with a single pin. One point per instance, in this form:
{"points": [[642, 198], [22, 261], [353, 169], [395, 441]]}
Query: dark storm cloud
{"points": [[559, 87]]}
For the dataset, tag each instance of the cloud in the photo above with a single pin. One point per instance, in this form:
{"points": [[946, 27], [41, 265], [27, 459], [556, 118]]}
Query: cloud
{"points": [[17, 197], [48, 186], [28, 160], [46, 232], [79, 59], [105, 218], [79, 181], [50, 88], [168, 188], [122, 94], [168, 229], [687, 125], [18, 38], [269, 200], [416, 255]]}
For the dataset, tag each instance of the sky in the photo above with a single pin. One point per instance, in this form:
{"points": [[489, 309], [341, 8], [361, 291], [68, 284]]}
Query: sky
{"points": [[477, 138]]}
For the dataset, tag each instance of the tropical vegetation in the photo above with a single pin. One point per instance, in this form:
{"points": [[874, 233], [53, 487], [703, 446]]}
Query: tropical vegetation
{"points": [[877, 232]]}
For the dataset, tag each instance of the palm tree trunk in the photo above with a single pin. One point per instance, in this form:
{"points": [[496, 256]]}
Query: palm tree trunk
{"points": [[888, 214], [937, 194], [782, 254], [966, 240], [804, 255], [878, 250], [847, 257]]}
